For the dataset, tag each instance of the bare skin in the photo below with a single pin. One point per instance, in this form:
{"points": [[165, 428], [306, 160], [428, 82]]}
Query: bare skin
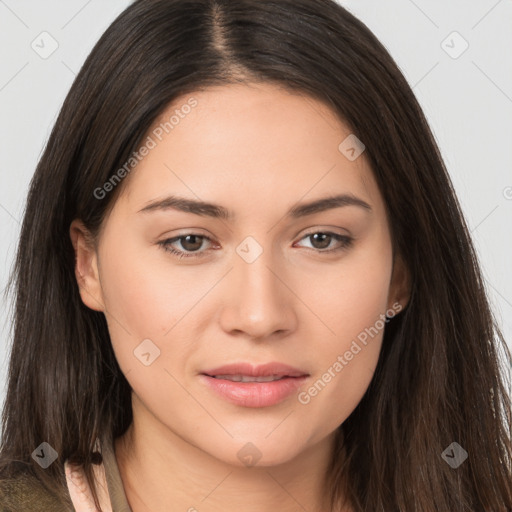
{"points": [[258, 151]]}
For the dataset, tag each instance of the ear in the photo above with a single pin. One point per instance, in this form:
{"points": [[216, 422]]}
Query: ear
{"points": [[400, 286], [86, 266]]}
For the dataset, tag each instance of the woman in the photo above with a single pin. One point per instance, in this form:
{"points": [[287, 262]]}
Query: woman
{"points": [[244, 281]]}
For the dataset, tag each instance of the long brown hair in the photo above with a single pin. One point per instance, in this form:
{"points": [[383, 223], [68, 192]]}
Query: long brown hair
{"points": [[438, 379]]}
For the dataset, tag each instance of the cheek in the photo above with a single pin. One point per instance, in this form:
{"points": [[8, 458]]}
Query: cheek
{"points": [[141, 301], [345, 365], [352, 303], [143, 289], [346, 297], [149, 297]]}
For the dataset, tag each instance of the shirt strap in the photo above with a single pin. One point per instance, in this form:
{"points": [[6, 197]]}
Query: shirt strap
{"points": [[80, 491]]}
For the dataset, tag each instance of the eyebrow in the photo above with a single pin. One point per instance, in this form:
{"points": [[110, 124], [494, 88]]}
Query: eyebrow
{"points": [[219, 212]]}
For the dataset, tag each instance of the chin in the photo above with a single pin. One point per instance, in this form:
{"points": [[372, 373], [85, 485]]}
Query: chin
{"points": [[257, 453]]}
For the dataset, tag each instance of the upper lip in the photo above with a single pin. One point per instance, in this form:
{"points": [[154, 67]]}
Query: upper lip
{"points": [[262, 370]]}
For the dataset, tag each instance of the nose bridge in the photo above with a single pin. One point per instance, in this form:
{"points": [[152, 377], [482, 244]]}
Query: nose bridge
{"points": [[259, 303]]}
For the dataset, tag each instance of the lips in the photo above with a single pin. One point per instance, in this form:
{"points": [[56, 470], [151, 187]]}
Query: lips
{"points": [[248, 378], [254, 386], [276, 370]]}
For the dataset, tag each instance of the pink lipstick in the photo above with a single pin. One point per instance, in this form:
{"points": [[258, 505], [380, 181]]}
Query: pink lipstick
{"points": [[248, 385]]}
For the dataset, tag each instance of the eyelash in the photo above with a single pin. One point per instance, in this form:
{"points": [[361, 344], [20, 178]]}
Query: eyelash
{"points": [[345, 241]]}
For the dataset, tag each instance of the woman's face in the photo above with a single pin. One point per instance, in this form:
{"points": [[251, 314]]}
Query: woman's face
{"points": [[274, 280]]}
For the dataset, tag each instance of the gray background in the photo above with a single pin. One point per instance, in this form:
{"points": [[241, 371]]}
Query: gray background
{"points": [[467, 97]]}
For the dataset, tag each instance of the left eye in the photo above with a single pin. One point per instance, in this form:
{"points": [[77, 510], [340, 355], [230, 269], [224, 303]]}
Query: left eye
{"points": [[191, 243], [323, 240]]}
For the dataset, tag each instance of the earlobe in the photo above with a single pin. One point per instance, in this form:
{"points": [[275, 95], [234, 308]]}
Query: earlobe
{"points": [[400, 286], [86, 266]]}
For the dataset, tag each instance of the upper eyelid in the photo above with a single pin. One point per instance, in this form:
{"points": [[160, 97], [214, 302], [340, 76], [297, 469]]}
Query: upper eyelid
{"points": [[328, 230], [312, 232]]}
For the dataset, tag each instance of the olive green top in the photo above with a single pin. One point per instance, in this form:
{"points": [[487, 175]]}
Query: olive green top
{"points": [[27, 494]]}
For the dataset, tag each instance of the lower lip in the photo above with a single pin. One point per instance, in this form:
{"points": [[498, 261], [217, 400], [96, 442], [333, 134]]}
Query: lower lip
{"points": [[254, 394]]}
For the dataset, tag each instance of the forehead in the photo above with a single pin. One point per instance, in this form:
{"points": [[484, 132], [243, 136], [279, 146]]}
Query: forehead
{"points": [[246, 143]]}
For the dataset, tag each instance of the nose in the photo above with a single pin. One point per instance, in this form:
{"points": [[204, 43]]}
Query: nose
{"points": [[259, 302]]}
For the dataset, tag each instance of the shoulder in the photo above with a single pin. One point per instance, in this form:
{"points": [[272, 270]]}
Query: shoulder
{"points": [[27, 494]]}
